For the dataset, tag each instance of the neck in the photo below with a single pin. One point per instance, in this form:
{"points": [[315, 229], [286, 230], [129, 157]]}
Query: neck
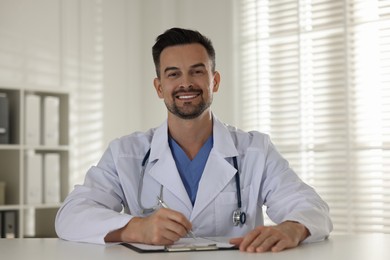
{"points": [[191, 134]]}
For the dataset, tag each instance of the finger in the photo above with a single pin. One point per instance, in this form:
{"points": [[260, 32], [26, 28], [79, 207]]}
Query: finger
{"points": [[176, 228], [168, 237], [266, 244], [249, 238], [236, 241], [263, 241], [177, 217], [175, 222], [280, 246], [164, 232]]}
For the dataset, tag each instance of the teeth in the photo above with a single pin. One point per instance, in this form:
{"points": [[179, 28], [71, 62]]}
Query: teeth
{"points": [[187, 97]]}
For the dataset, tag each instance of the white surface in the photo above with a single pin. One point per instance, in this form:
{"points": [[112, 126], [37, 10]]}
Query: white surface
{"points": [[343, 247]]}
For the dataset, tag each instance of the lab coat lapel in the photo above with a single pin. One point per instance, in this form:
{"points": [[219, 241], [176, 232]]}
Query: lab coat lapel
{"points": [[216, 175], [164, 169], [218, 171]]}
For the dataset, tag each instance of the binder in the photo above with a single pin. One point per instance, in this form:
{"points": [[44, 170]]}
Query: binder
{"points": [[51, 178], [2, 193], [10, 229], [4, 119], [1, 225], [51, 120], [33, 178], [33, 119]]}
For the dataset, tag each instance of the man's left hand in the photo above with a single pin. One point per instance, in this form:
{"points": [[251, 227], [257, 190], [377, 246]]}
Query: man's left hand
{"points": [[286, 235]]}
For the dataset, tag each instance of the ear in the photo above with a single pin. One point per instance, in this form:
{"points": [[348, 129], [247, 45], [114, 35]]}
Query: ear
{"points": [[216, 81], [158, 87]]}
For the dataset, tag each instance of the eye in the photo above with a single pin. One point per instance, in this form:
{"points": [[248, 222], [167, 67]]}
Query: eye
{"points": [[198, 72], [173, 74]]}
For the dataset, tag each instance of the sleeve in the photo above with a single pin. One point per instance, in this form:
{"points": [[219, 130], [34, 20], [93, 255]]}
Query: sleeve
{"points": [[93, 209], [287, 197]]}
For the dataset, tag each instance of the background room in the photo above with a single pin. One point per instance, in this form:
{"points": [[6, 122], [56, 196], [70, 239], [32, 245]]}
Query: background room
{"points": [[312, 74]]}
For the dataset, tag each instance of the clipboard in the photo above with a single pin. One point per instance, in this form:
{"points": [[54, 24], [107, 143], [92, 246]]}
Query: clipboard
{"points": [[184, 245]]}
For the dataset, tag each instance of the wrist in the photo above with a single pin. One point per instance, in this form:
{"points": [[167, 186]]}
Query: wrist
{"points": [[129, 232], [300, 229], [122, 234]]}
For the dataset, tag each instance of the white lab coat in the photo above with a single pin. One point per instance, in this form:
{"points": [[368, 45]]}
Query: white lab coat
{"points": [[95, 208]]}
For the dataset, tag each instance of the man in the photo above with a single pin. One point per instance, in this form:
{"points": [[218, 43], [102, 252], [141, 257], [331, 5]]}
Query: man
{"points": [[204, 170]]}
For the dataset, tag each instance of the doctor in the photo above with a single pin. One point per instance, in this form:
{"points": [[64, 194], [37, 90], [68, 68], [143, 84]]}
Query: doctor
{"points": [[204, 170]]}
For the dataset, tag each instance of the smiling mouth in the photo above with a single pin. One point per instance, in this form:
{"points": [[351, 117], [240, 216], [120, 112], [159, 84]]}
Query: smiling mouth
{"points": [[186, 96]]}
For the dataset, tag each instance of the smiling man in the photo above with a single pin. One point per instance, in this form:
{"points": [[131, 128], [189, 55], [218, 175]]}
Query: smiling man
{"points": [[214, 177]]}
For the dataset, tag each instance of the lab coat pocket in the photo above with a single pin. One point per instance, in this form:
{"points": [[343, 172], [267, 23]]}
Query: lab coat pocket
{"points": [[225, 204]]}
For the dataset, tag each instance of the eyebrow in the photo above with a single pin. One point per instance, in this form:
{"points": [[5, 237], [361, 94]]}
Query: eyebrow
{"points": [[192, 67]]}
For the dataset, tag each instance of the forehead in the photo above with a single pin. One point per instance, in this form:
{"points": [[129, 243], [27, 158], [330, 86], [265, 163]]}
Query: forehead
{"points": [[184, 55]]}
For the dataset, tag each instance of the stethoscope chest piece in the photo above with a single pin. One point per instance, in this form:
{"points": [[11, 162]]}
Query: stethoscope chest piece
{"points": [[239, 217]]}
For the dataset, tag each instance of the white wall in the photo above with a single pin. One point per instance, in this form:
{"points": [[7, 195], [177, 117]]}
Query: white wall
{"points": [[100, 51]]}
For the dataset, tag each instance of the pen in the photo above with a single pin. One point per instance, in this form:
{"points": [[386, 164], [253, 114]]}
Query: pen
{"points": [[164, 205]]}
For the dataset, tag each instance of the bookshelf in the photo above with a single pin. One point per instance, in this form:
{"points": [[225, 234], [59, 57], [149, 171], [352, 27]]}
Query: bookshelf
{"points": [[32, 219]]}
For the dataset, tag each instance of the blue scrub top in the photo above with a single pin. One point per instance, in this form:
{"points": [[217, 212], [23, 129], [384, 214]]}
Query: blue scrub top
{"points": [[191, 171]]}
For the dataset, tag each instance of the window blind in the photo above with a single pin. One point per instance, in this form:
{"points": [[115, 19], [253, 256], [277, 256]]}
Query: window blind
{"points": [[315, 76]]}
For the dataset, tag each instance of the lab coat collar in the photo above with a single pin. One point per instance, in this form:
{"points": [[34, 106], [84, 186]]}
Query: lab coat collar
{"points": [[159, 145], [217, 173], [165, 172], [223, 141]]}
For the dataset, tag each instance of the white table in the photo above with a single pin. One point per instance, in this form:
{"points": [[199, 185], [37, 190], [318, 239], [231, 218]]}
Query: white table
{"points": [[343, 247]]}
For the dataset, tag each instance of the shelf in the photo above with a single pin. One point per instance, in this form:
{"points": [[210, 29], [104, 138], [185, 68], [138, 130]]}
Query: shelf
{"points": [[42, 206], [34, 220], [62, 148], [9, 207], [10, 147]]}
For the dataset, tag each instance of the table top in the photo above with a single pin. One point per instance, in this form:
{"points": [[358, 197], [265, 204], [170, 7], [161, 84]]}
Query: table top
{"points": [[343, 247]]}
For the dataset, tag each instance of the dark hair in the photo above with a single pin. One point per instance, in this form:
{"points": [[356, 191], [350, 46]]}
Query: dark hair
{"points": [[179, 36]]}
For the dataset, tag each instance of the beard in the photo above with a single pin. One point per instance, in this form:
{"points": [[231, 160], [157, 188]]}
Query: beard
{"points": [[188, 110]]}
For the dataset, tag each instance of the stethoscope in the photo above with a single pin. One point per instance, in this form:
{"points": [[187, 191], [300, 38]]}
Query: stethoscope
{"points": [[239, 217]]}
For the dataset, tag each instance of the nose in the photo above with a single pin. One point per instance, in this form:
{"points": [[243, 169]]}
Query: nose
{"points": [[186, 82]]}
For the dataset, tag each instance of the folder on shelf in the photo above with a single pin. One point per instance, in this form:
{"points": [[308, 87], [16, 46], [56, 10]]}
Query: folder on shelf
{"points": [[2, 192], [32, 119], [1, 225], [10, 224], [51, 178], [51, 120], [4, 119], [33, 178]]}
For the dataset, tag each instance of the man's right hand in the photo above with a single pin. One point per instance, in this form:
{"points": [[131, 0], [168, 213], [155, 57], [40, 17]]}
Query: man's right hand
{"points": [[163, 227]]}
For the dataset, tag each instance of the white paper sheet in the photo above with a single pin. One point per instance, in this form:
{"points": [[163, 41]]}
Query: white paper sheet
{"points": [[189, 242]]}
